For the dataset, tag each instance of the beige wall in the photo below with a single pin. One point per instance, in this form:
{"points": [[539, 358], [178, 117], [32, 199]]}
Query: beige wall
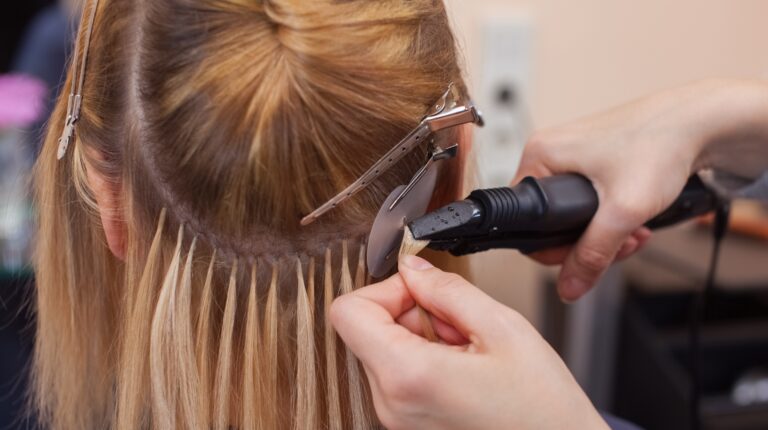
{"points": [[590, 54]]}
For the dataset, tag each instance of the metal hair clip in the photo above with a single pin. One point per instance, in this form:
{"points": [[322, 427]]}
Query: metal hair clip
{"points": [[75, 101], [435, 154], [450, 111]]}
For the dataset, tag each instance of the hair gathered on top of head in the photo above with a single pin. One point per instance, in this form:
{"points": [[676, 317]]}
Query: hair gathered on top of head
{"points": [[303, 104], [216, 125]]}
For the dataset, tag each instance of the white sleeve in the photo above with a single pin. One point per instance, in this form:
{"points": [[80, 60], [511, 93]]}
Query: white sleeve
{"points": [[735, 186]]}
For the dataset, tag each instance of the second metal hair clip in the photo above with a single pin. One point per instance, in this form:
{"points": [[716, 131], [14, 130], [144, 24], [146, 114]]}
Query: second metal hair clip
{"points": [[75, 102]]}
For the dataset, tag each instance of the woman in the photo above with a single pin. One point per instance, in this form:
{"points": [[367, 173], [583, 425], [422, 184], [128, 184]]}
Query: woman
{"points": [[638, 156], [176, 288]]}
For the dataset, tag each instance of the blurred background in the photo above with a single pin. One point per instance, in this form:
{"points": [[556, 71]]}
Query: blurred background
{"points": [[538, 63], [34, 42], [530, 64]]}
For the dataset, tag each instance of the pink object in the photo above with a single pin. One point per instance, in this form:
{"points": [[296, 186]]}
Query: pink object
{"points": [[21, 100]]}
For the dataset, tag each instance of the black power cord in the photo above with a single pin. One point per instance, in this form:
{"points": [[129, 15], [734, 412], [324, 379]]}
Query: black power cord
{"points": [[698, 310]]}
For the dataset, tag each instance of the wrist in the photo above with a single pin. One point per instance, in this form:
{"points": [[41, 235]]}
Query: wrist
{"points": [[731, 126]]}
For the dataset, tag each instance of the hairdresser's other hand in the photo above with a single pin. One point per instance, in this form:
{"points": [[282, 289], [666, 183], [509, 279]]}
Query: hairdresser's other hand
{"points": [[639, 156], [493, 370]]}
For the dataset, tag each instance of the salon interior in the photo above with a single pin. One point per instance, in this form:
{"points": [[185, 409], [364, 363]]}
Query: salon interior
{"points": [[529, 64]]}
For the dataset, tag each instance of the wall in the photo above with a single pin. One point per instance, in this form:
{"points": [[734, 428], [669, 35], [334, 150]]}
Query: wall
{"points": [[591, 54]]}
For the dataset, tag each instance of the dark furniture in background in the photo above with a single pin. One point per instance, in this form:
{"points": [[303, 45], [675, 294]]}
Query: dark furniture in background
{"points": [[652, 379], [627, 341]]}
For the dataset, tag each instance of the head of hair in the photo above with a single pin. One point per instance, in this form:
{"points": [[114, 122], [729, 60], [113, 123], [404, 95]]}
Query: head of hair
{"points": [[218, 124]]}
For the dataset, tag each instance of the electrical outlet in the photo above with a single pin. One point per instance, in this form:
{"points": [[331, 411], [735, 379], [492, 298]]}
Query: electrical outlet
{"points": [[504, 94]]}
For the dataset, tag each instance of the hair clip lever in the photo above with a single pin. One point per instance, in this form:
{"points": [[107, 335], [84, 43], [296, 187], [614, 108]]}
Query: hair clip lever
{"points": [[73, 114], [436, 154]]}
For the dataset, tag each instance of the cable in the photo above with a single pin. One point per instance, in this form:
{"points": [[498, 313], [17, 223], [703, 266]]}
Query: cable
{"points": [[698, 309]]}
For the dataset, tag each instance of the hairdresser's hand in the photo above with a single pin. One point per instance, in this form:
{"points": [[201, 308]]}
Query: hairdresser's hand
{"points": [[638, 157], [494, 370]]}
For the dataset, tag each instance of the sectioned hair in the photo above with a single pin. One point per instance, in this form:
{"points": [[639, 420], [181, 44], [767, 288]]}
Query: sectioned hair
{"points": [[217, 124]]}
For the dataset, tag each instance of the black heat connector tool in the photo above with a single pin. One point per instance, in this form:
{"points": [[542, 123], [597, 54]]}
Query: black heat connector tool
{"points": [[537, 214]]}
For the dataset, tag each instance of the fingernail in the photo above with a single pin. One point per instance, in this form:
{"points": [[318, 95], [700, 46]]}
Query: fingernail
{"points": [[572, 289], [416, 263]]}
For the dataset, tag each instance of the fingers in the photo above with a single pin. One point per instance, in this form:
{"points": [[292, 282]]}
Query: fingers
{"points": [[592, 255], [447, 333], [452, 299], [550, 257], [627, 248], [631, 245], [643, 235], [391, 294], [365, 320], [634, 243], [529, 168], [547, 153]]}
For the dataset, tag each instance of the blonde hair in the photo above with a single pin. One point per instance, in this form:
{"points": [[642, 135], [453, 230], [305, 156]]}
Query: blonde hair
{"points": [[220, 123]]}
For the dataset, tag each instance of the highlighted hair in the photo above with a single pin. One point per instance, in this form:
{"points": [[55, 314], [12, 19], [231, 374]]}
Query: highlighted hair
{"points": [[217, 124]]}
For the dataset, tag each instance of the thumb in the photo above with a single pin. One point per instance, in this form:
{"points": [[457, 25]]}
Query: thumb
{"points": [[453, 299], [593, 253]]}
